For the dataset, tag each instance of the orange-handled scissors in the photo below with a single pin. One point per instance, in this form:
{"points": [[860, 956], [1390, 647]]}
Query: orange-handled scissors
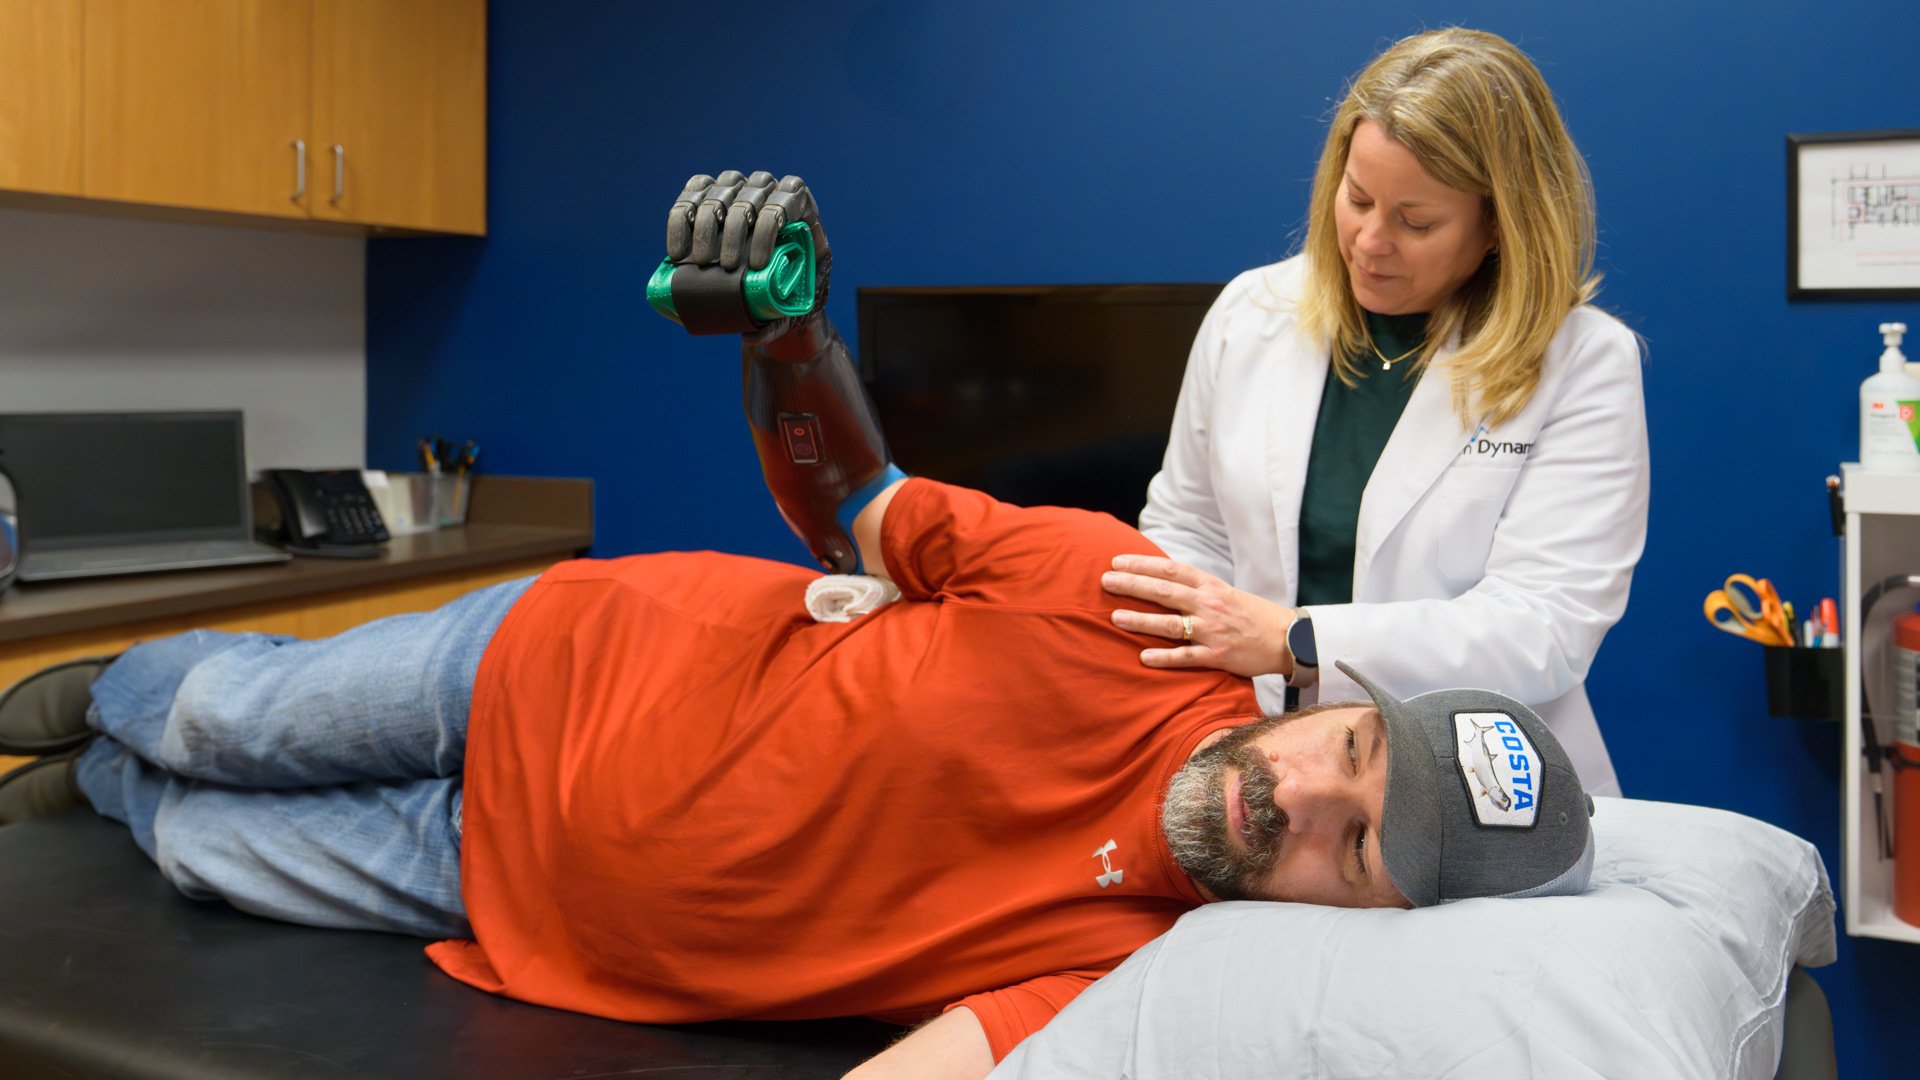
{"points": [[1750, 607]]}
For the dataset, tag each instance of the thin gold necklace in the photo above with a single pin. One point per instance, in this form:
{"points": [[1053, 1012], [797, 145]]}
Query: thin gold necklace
{"points": [[1386, 364]]}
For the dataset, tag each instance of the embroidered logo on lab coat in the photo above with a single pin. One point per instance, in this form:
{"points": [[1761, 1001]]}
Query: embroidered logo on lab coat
{"points": [[1501, 768], [1483, 445]]}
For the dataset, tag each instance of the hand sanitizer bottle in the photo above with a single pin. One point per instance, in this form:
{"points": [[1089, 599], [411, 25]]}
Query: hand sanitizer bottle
{"points": [[1890, 410]]}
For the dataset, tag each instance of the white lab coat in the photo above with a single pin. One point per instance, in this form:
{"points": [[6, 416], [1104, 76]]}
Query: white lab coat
{"points": [[1497, 558]]}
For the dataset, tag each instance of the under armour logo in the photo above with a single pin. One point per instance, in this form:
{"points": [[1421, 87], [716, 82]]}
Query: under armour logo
{"points": [[1105, 855]]}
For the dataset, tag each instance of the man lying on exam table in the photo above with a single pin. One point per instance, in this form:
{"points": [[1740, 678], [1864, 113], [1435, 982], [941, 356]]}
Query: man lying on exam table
{"points": [[655, 789], [685, 761]]}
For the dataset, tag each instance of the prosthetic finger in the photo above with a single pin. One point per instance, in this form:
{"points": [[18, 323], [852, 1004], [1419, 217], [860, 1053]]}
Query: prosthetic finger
{"points": [[741, 217], [790, 201], [711, 214], [680, 218]]}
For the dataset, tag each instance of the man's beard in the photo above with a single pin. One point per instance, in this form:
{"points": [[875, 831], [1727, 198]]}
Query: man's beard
{"points": [[1194, 816]]}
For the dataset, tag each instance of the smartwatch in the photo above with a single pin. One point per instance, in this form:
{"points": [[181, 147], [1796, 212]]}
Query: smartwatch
{"points": [[1306, 654]]}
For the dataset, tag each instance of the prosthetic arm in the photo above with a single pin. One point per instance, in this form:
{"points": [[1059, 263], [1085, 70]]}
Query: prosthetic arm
{"points": [[747, 255]]}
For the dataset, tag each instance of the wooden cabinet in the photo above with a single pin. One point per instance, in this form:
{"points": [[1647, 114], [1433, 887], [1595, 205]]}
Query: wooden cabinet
{"points": [[40, 42], [399, 112], [362, 112], [198, 103]]}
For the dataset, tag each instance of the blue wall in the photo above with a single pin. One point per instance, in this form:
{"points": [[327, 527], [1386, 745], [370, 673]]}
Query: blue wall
{"points": [[1137, 140]]}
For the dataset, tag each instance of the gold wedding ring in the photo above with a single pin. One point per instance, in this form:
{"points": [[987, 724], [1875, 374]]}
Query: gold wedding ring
{"points": [[1186, 628]]}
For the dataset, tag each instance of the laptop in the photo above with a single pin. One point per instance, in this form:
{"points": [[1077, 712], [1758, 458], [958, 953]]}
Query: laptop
{"points": [[130, 492]]}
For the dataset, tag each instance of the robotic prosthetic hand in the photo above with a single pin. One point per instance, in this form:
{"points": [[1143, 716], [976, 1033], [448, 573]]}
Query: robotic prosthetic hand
{"points": [[747, 255]]}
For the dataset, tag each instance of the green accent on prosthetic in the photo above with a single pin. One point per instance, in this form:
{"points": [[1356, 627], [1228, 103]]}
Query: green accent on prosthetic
{"points": [[784, 287], [660, 290]]}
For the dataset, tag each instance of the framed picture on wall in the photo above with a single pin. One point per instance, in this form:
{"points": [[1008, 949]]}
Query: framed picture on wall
{"points": [[1853, 215]]}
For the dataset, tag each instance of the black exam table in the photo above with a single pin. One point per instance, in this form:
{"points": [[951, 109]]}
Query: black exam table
{"points": [[107, 971]]}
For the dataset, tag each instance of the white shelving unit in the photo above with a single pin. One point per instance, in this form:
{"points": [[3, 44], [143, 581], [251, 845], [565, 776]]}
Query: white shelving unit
{"points": [[1883, 539]]}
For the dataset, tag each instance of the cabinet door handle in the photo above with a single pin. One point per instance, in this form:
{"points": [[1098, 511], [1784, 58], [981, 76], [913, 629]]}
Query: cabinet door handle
{"points": [[299, 169], [339, 173]]}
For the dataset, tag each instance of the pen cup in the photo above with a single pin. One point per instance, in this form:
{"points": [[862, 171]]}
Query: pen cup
{"points": [[420, 502], [1805, 684], [450, 498]]}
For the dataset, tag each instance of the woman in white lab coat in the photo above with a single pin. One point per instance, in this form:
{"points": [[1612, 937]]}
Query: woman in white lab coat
{"points": [[1414, 446]]}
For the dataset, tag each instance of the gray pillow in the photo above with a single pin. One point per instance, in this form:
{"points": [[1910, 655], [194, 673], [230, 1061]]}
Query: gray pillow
{"points": [[1673, 964]]}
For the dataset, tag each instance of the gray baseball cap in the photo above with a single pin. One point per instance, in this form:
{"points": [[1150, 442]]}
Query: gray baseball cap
{"points": [[1481, 799]]}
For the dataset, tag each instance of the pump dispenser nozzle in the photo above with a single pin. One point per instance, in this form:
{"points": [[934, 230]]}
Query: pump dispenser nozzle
{"points": [[1892, 359]]}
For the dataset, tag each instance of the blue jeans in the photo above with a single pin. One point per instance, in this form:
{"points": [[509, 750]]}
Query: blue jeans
{"points": [[312, 781]]}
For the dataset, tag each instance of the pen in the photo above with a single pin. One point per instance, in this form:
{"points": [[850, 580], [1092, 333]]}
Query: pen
{"points": [[1830, 623], [1834, 508]]}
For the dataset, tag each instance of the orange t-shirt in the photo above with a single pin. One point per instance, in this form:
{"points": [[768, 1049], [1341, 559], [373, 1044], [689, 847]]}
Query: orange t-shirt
{"points": [[685, 800]]}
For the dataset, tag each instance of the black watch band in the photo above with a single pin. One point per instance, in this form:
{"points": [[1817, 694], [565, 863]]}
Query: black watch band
{"points": [[1301, 644]]}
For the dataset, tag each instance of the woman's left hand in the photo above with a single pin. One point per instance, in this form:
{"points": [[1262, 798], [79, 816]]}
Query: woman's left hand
{"points": [[1214, 624]]}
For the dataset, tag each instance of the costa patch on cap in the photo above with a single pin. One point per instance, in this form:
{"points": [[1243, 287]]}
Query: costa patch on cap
{"points": [[1502, 768]]}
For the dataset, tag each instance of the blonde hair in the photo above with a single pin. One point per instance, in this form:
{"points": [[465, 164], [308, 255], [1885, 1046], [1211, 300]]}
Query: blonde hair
{"points": [[1478, 116]]}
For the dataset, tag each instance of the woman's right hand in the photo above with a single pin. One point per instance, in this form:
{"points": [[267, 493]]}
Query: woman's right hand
{"points": [[1215, 625]]}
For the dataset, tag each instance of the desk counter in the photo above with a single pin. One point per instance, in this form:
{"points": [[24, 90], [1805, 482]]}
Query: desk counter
{"points": [[516, 526]]}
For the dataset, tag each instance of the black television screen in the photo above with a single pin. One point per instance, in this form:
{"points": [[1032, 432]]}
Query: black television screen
{"points": [[1056, 395]]}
